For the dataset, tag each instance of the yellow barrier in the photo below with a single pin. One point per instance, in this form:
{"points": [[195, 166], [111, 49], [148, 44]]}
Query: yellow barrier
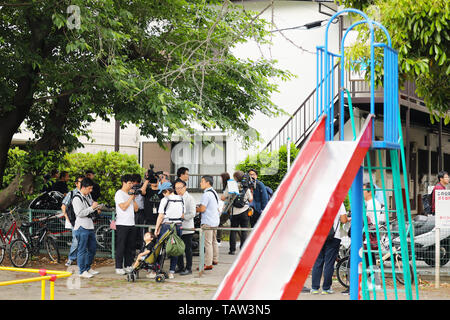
{"points": [[50, 275]]}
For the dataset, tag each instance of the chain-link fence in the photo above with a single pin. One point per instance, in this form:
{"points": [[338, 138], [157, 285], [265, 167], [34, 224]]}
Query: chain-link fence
{"points": [[103, 234]]}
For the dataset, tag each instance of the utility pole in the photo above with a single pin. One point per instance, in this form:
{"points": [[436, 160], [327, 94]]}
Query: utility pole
{"points": [[117, 136]]}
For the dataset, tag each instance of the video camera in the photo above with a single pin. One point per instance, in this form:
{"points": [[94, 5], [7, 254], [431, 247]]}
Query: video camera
{"points": [[135, 190], [248, 182], [152, 176]]}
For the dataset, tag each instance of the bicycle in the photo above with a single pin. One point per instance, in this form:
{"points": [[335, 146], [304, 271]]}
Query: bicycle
{"points": [[22, 249], [343, 266], [7, 237]]}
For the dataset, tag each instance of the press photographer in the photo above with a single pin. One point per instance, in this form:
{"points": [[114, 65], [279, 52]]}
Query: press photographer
{"points": [[239, 207], [152, 199]]}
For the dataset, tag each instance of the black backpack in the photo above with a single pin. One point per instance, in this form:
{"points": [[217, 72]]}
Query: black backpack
{"points": [[239, 201], [70, 212]]}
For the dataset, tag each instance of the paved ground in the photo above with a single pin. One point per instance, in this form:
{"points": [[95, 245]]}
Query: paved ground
{"points": [[109, 286]]}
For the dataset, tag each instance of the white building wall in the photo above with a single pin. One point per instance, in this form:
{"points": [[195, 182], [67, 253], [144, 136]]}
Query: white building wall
{"points": [[302, 63]]}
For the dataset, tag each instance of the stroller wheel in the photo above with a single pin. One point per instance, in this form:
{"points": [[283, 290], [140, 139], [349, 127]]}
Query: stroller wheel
{"points": [[160, 278], [128, 277]]}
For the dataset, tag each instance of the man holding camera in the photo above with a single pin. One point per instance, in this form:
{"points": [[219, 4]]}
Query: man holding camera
{"points": [[126, 206], [152, 196], [84, 207], [240, 208]]}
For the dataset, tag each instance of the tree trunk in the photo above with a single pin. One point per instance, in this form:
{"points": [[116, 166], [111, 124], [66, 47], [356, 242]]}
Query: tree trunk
{"points": [[51, 140], [9, 197]]}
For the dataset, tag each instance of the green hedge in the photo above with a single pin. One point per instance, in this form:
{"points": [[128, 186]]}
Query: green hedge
{"points": [[108, 168], [272, 166]]}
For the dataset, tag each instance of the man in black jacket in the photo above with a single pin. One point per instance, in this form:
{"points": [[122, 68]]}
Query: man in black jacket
{"points": [[95, 194]]}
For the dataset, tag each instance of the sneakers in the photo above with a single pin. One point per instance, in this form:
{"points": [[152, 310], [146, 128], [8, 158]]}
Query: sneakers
{"points": [[314, 291], [120, 271], [151, 275], [185, 272], [68, 263], [86, 275], [346, 292], [128, 269], [171, 275], [93, 272], [329, 291]]}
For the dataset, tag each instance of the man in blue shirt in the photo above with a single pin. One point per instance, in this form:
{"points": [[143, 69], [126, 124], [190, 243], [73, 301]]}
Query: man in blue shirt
{"points": [[260, 197], [210, 217]]}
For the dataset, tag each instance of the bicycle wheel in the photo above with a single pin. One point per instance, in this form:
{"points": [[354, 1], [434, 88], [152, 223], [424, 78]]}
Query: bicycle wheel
{"points": [[52, 249], [2, 249], [399, 270], [19, 253], [103, 236], [343, 272]]}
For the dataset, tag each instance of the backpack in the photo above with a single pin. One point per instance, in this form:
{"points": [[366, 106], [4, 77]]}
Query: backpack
{"points": [[269, 192], [175, 245], [239, 201], [175, 201], [70, 212]]}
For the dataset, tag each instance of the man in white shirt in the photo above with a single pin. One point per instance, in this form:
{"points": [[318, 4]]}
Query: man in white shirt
{"points": [[210, 217], [188, 222], [126, 206]]}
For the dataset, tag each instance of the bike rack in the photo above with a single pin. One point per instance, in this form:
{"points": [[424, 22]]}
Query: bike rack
{"points": [[50, 275]]}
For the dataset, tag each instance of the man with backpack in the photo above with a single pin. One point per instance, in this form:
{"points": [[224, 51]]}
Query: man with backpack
{"points": [[239, 211], [260, 197], [69, 214], [84, 208]]}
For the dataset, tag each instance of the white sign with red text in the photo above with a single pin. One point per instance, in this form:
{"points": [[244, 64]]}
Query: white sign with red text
{"points": [[442, 199]]}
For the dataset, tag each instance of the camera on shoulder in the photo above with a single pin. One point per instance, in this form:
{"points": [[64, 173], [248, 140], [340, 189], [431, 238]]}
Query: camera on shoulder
{"points": [[152, 176]]}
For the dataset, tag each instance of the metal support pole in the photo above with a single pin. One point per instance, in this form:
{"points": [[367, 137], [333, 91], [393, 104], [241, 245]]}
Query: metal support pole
{"points": [[438, 258], [356, 234], [201, 262], [288, 154]]}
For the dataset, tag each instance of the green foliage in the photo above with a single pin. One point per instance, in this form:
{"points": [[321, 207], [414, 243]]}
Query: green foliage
{"points": [[161, 65], [108, 168], [271, 166], [420, 32], [15, 165], [37, 163]]}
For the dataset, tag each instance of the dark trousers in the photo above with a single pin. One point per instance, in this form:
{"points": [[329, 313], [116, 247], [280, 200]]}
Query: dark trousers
{"points": [[325, 264], [187, 239], [238, 220], [164, 228], [125, 246], [254, 218], [139, 218]]}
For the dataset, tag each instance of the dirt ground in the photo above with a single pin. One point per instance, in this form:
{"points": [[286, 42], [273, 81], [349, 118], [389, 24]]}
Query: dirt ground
{"points": [[109, 286]]}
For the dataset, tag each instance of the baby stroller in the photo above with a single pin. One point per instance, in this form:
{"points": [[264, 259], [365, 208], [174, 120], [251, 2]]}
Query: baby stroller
{"points": [[155, 259]]}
